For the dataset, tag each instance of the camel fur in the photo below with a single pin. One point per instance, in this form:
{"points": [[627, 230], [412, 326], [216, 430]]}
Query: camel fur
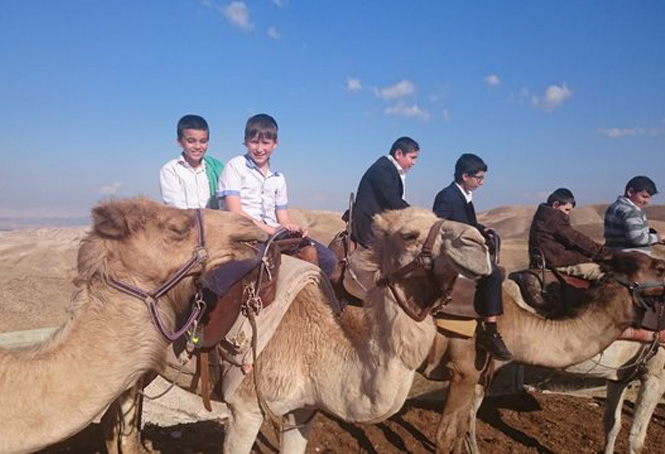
{"points": [[360, 366], [536, 341], [57, 388]]}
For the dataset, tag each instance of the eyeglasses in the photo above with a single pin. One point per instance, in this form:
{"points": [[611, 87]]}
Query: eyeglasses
{"points": [[478, 178]]}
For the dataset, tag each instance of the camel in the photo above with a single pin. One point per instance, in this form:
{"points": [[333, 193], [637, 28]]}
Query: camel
{"points": [[536, 341], [619, 364], [358, 366], [51, 391]]}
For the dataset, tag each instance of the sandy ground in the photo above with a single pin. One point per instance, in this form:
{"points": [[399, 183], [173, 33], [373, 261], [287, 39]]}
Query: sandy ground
{"points": [[36, 271]]}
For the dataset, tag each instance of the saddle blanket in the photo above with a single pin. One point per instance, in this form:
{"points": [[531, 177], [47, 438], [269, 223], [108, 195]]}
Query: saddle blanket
{"points": [[294, 275]]}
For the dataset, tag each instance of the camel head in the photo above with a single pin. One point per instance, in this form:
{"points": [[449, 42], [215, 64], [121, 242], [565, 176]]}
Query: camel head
{"points": [[457, 249], [144, 243], [641, 269]]}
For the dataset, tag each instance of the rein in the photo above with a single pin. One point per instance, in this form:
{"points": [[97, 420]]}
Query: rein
{"points": [[423, 261], [151, 298]]}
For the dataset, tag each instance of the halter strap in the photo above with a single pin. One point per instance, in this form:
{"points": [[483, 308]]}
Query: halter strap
{"points": [[636, 288], [150, 298], [423, 261]]}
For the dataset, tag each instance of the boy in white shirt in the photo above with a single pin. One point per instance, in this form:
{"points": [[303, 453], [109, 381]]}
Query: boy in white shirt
{"points": [[249, 187], [190, 181]]}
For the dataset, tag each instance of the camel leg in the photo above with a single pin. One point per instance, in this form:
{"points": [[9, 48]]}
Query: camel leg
{"points": [[471, 440], [651, 390], [294, 440], [616, 392], [242, 427], [121, 423], [456, 415]]}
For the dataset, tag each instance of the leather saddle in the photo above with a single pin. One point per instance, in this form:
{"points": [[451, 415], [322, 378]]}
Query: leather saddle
{"points": [[550, 292], [256, 278]]}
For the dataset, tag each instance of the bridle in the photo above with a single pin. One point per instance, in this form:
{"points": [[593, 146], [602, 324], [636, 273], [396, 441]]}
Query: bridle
{"points": [[636, 290], [424, 261], [151, 298]]}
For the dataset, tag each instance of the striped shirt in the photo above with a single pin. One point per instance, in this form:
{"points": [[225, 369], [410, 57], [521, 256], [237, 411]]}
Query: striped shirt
{"points": [[627, 229]]}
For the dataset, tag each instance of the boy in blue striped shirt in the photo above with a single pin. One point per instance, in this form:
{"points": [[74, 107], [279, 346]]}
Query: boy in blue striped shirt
{"points": [[626, 226]]}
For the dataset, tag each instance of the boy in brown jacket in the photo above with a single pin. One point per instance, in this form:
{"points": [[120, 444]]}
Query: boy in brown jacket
{"points": [[559, 244]]}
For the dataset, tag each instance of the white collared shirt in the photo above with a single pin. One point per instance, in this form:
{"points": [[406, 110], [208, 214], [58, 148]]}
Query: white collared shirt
{"points": [[401, 172], [260, 195], [183, 186], [467, 195]]}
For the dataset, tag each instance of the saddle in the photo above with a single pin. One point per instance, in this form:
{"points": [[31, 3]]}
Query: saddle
{"points": [[256, 285], [550, 292]]}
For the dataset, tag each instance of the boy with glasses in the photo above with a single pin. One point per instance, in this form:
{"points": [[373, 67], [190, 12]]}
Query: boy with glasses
{"points": [[455, 203]]}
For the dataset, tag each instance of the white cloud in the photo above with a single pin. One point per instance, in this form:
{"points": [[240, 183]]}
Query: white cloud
{"points": [[353, 85], [401, 108], [445, 116], [492, 80], [399, 90], [273, 33], [111, 189], [554, 97], [620, 133], [238, 14]]}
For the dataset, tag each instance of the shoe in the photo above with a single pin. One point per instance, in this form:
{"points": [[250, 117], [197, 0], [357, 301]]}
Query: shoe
{"points": [[493, 343]]}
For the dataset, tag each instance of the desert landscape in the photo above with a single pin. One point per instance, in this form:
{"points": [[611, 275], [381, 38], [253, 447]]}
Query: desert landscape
{"points": [[36, 272]]}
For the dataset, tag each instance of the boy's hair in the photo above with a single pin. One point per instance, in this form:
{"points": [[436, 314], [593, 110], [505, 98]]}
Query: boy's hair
{"points": [[641, 183], [192, 122], [470, 164], [563, 196], [261, 126], [406, 144]]}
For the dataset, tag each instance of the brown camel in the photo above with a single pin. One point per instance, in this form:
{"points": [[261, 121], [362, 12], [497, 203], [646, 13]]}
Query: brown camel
{"points": [[360, 366], [536, 341], [56, 389]]}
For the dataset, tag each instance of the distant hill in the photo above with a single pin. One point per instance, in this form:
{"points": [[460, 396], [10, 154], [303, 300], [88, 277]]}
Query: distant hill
{"points": [[513, 222]]}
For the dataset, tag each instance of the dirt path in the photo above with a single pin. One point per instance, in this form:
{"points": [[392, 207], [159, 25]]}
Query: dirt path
{"points": [[534, 423]]}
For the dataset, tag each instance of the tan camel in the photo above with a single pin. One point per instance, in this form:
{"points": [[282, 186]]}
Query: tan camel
{"points": [[56, 389], [619, 364], [360, 366], [536, 341]]}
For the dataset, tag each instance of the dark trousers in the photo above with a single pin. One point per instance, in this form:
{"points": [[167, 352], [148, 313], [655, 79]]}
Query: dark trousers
{"points": [[327, 259], [489, 298]]}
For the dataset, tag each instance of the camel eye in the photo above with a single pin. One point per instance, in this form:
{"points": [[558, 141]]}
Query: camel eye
{"points": [[178, 228], [409, 237]]}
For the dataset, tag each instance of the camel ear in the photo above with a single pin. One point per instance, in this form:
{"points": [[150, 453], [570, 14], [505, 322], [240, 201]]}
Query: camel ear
{"points": [[109, 221], [380, 225]]}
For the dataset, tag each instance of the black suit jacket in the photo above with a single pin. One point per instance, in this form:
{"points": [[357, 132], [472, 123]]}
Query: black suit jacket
{"points": [[451, 204], [380, 189]]}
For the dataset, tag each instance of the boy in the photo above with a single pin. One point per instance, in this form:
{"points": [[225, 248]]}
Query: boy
{"points": [[626, 226], [455, 203], [190, 181], [560, 245], [382, 188], [249, 187]]}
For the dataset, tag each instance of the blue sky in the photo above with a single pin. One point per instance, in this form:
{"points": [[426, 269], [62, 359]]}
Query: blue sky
{"points": [[567, 93]]}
